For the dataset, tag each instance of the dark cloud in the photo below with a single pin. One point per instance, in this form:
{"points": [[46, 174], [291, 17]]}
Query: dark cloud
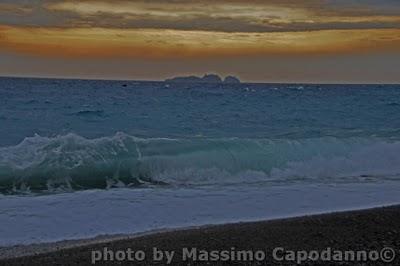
{"points": [[365, 7], [225, 24], [206, 15], [31, 13]]}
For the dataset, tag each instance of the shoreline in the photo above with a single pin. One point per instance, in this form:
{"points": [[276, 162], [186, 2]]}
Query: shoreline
{"points": [[25, 250], [383, 219]]}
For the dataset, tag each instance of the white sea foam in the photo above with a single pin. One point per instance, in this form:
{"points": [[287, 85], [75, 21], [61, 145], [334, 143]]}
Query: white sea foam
{"points": [[85, 214]]}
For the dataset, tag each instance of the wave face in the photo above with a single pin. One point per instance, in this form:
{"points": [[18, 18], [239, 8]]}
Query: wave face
{"points": [[71, 162]]}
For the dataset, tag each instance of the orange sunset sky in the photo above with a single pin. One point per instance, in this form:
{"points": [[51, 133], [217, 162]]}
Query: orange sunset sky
{"points": [[326, 41]]}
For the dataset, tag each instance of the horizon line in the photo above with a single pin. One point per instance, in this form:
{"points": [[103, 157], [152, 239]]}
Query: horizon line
{"points": [[163, 80]]}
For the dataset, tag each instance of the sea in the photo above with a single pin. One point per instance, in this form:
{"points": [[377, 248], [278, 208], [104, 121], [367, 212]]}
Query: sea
{"points": [[83, 158]]}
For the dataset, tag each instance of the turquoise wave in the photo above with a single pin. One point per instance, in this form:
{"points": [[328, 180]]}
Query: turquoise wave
{"points": [[72, 162]]}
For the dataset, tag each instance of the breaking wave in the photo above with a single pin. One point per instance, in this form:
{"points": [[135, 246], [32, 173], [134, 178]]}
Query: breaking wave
{"points": [[72, 162]]}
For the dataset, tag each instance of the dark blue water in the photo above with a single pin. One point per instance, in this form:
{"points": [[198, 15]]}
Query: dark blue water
{"points": [[151, 109], [83, 134]]}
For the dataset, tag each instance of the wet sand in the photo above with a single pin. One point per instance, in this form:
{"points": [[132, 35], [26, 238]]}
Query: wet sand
{"points": [[365, 230]]}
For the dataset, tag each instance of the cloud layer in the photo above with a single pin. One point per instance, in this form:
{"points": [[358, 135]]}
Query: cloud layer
{"points": [[217, 15]]}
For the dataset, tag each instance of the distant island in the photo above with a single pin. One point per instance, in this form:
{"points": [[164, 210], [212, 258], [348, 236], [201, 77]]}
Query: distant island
{"points": [[208, 78]]}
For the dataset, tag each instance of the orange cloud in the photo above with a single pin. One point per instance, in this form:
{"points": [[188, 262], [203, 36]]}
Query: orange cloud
{"points": [[159, 43]]}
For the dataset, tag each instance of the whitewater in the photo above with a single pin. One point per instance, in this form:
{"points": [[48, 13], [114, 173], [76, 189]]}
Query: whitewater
{"points": [[82, 158]]}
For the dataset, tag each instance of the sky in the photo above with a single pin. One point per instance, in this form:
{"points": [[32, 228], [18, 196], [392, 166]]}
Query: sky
{"points": [[316, 41]]}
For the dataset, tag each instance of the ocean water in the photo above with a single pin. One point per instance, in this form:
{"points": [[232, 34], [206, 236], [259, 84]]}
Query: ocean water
{"points": [[188, 154]]}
